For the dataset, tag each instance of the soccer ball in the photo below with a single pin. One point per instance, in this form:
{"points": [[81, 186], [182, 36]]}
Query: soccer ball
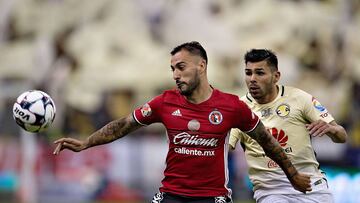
{"points": [[34, 111]]}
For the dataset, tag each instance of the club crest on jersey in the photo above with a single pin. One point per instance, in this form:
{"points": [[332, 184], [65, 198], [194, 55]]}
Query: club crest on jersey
{"points": [[215, 117], [146, 110], [317, 105], [283, 110]]}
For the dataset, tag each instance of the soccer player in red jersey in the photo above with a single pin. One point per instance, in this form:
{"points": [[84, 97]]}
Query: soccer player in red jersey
{"points": [[198, 119]]}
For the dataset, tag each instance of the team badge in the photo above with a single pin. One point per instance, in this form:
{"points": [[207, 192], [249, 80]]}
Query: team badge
{"points": [[283, 110], [146, 110], [317, 105], [215, 117], [194, 125]]}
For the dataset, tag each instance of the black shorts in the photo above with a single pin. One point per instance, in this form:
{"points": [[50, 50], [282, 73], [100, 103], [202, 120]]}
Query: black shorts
{"points": [[162, 197]]}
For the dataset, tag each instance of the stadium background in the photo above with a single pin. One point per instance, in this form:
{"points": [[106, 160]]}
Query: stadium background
{"points": [[99, 59]]}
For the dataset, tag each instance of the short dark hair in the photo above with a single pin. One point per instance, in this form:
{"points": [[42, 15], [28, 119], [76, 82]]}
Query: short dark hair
{"points": [[257, 55], [193, 47]]}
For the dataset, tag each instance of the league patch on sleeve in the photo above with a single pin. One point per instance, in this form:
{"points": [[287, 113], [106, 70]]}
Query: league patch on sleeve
{"points": [[146, 110], [318, 105]]}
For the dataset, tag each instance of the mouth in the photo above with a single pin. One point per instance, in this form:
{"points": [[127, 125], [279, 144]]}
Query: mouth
{"points": [[253, 88], [179, 84]]}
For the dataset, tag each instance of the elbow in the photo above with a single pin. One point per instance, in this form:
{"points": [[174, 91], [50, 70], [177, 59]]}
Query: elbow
{"points": [[339, 136], [341, 139]]}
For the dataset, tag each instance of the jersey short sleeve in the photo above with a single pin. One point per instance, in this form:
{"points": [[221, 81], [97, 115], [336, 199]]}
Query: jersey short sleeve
{"points": [[236, 136], [149, 112], [246, 119], [313, 110]]}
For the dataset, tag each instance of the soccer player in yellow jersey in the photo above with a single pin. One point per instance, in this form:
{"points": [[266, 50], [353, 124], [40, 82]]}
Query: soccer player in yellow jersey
{"points": [[293, 117]]}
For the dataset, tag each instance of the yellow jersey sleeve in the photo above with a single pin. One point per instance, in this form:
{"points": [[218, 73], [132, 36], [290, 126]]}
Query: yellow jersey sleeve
{"points": [[313, 110], [235, 137]]}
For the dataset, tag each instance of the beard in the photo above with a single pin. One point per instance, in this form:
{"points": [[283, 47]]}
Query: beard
{"points": [[262, 91], [187, 89]]}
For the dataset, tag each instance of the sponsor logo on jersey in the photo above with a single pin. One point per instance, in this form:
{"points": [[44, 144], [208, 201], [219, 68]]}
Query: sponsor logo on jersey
{"points": [[194, 125], [279, 135], [215, 117], [283, 110], [324, 115], [176, 113], [266, 112], [146, 110], [317, 105], [272, 164], [185, 138]]}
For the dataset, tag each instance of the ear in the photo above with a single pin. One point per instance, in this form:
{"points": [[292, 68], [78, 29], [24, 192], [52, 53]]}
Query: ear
{"points": [[202, 66], [277, 75]]}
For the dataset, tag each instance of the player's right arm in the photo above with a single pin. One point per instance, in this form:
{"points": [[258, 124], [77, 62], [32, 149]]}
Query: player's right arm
{"points": [[273, 150], [116, 129], [110, 132]]}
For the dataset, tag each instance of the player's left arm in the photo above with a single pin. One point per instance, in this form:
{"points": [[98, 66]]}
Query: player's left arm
{"points": [[335, 131], [273, 150]]}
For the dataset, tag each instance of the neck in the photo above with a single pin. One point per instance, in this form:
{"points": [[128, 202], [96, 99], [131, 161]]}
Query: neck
{"points": [[200, 94], [271, 96]]}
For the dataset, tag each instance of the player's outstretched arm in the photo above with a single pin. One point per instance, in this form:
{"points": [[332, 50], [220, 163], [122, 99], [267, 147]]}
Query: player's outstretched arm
{"points": [[110, 132], [319, 128], [273, 150]]}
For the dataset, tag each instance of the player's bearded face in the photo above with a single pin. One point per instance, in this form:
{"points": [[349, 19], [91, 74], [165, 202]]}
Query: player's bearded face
{"points": [[187, 88], [185, 72]]}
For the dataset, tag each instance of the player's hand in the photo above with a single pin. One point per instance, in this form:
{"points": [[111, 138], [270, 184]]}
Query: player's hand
{"points": [[319, 128], [70, 144], [301, 182]]}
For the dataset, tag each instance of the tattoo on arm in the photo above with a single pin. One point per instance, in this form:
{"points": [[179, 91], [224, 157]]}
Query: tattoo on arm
{"points": [[273, 149], [113, 131]]}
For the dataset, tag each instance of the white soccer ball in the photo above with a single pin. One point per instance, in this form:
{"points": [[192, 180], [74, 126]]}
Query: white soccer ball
{"points": [[34, 111]]}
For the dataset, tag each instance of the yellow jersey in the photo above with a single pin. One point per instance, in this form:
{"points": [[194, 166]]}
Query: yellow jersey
{"points": [[285, 117]]}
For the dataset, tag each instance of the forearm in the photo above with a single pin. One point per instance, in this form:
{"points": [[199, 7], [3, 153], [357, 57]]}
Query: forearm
{"points": [[338, 134], [273, 149], [112, 131]]}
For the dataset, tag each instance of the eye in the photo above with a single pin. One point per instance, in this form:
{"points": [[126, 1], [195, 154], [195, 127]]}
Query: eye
{"points": [[248, 73], [181, 67], [260, 73]]}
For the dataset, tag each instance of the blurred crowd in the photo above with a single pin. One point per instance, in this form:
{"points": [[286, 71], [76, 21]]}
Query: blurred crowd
{"points": [[100, 59]]}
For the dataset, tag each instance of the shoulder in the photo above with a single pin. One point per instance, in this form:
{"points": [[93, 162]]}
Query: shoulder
{"points": [[227, 98], [300, 94], [171, 96], [294, 91], [165, 95], [225, 95], [230, 101], [170, 93]]}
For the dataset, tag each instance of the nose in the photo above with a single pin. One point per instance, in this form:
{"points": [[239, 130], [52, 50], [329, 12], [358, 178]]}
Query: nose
{"points": [[176, 74], [252, 78]]}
